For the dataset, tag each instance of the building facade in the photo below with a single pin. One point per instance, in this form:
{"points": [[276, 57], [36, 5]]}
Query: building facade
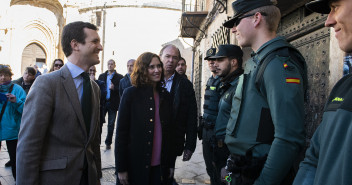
{"points": [[30, 30]]}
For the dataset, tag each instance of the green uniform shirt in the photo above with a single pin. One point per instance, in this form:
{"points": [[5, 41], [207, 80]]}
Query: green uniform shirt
{"points": [[270, 121]]}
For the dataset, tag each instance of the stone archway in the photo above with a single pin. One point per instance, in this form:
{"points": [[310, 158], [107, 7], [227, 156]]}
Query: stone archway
{"points": [[33, 54]]}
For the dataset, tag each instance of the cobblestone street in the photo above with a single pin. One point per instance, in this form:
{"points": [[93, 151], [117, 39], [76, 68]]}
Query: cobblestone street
{"points": [[190, 172]]}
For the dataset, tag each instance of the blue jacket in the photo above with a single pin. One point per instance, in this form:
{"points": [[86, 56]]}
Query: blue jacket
{"points": [[124, 83], [11, 120]]}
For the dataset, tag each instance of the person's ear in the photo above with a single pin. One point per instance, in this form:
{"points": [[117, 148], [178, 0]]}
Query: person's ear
{"points": [[234, 62], [74, 45], [258, 18]]}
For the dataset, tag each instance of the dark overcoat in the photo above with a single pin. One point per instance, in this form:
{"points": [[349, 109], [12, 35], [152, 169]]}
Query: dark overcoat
{"points": [[184, 115], [114, 93], [135, 131]]}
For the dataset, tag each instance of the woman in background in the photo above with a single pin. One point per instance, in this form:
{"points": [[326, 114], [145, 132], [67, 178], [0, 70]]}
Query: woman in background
{"points": [[56, 65], [12, 98], [143, 126]]}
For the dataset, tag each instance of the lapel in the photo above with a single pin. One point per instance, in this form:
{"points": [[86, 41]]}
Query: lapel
{"points": [[175, 92], [105, 75], [72, 94]]}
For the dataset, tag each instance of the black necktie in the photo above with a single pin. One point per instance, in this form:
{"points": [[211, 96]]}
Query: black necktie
{"points": [[86, 101]]}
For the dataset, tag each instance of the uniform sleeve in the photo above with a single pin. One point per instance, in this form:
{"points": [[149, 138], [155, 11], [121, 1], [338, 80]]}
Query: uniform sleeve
{"points": [[34, 125], [283, 87], [308, 166], [20, 99], [123, 131]]}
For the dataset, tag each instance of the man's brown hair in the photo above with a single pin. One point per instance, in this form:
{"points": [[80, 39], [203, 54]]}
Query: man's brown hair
{"points": [[272, 17]]}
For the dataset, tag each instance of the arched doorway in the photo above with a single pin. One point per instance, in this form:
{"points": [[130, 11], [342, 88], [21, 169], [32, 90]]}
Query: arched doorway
{"points": [[33, 54]]}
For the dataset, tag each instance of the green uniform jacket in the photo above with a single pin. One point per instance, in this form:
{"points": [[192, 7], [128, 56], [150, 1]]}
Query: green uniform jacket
{"points": [[328, 159], [225, 104], [270, 121]]}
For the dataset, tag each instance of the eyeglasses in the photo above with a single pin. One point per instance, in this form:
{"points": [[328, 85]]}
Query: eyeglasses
{"points": [[92, 70], [238, 21], [58, 65]]}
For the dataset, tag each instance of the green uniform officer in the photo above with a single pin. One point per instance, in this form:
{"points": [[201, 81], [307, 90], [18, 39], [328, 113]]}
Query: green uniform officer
{"points": [[328, 159], [265, 132], [210, 108], [229, 67]]}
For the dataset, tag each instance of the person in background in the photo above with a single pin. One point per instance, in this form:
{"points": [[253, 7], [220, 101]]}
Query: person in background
{"points": [[228, 63], [328, 158], [181, 67], [126, 80], [27, 79], [347, 64], [56, 65], [25, 82], [12, 99], [37, 70], [207, 121], [146, 114], [112, 81], [102, 87]]}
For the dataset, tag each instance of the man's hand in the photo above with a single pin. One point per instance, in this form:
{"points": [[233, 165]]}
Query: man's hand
{"points": [[11, 97], [111, 86], [187, 154], [123, 177]]}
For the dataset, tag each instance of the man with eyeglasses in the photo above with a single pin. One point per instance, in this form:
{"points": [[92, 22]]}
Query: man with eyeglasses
{"points": [[265, 132]]}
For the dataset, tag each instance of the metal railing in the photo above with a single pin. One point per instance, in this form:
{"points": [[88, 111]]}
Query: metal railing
{"points": [[193, 5]]}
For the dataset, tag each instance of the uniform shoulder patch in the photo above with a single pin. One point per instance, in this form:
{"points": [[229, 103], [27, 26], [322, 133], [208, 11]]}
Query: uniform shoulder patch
{"points": [[293, 80], [285, 65]]}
